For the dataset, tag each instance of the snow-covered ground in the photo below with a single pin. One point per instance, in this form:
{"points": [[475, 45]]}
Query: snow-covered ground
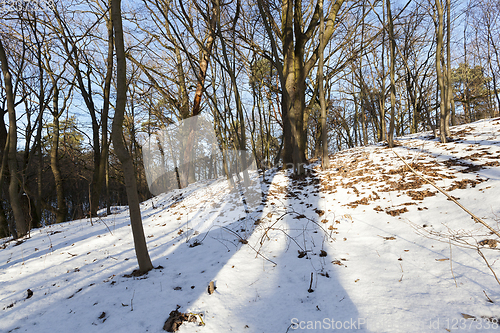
{"points": [[366, 245]]}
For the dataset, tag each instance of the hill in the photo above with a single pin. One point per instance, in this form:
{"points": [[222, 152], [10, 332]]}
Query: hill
{"points": [[366, 245]]}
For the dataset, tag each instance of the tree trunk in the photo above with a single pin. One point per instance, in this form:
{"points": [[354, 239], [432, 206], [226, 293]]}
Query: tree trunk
{"points": [[383, 126], [362, 85], [14, 194], [61, 210], [123, 155], [6, 228], [439, 72], [392, 41], [449, 83], [325, 159]]}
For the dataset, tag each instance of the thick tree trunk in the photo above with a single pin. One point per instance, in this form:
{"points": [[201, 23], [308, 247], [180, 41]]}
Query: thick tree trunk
{"points": [[288, 94], [439, 72], [123, 155], [184, 107], [491, 44], [6, 228], [294, 71], [14, 194], [325, 159], [38, 139], [449, 83], [383, 126], [392, 41]]}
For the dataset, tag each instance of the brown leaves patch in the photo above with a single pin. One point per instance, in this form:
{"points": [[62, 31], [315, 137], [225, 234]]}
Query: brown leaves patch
{"points": [[319, 212], [176, 319], [339, 262], [420, 195], [458, 162], [396, 212], [462, 184], [412, 183], [364, 201], [355, 204], [492, 243], [492, 164]]}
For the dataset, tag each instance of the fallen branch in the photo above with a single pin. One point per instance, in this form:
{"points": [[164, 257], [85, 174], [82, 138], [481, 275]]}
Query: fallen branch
{"points": [[474, 217]]}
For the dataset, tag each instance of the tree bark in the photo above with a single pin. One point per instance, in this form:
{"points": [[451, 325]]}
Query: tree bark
{"points": [[61, 210], [392, 41], [439, 72], [449, 83], [123, 155], [383, 126], [325, 159], [14, 193]]}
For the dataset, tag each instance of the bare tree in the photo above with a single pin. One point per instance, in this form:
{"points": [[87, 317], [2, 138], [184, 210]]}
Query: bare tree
{"points": [[141, 249], [14, 189], [325, 160], [439, 71], [392, 41]]}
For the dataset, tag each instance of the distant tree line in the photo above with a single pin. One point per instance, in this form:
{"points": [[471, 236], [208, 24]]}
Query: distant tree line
{"points": [[284, 81]]}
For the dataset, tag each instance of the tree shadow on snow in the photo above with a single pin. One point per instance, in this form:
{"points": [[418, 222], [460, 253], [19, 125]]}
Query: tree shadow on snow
{"points": [[272, 266]]}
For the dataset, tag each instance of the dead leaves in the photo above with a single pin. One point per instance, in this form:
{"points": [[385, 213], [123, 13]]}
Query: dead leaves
{"points": [[339, 262], [302, 254], [176, 318], [319, 212], [396, 212], [492, 243], [388, 238], [355, 204], [211, 287], [462, 184], [420, 195]]}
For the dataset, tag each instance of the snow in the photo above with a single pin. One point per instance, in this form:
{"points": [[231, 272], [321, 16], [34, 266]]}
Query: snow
{"points": [[373, 270]]}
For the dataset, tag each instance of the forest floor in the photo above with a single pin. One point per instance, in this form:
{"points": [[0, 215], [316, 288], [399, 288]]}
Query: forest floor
{"points": [[366, 245]]}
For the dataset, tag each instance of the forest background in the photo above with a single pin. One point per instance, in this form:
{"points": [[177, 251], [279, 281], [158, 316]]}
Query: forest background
{"points": [[285, 81]]}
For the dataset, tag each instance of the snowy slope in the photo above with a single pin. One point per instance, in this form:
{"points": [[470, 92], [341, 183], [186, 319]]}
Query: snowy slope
{"points": [[387, 251]]}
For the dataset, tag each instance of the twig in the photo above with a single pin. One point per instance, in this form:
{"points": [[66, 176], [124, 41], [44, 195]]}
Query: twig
{"points": [[310, 290], [101, 220], [286, 234], [474, 217], [489, 299], [486, 261], [451, 266], [244, 241]]}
